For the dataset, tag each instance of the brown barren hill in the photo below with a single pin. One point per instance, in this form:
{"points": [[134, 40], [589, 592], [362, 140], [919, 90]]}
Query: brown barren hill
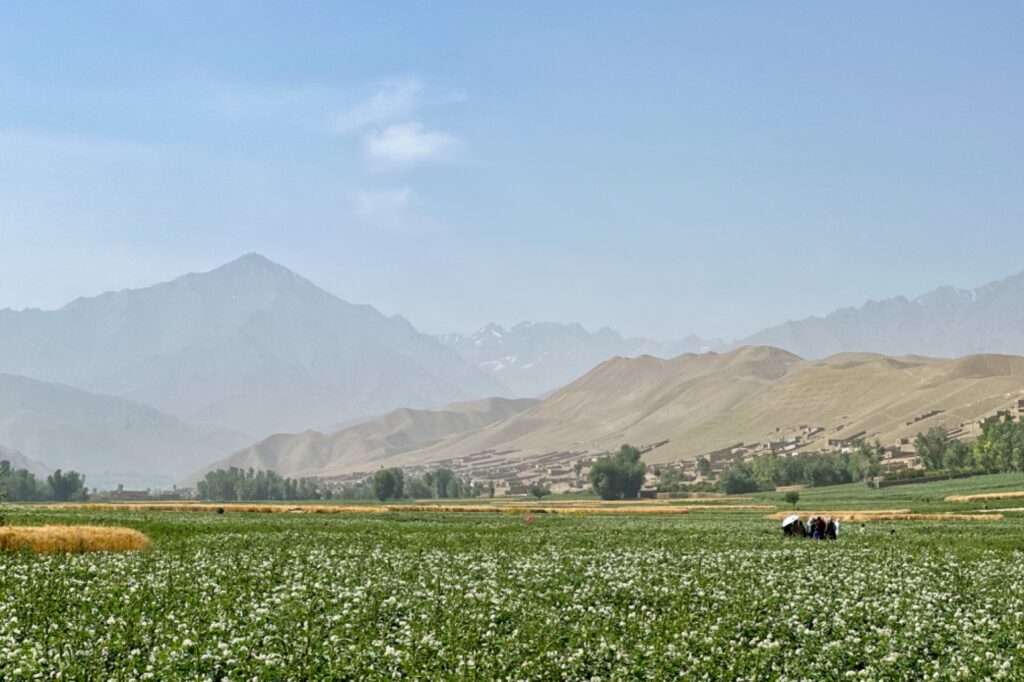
{"points": [[701, 403], [362, 446]]}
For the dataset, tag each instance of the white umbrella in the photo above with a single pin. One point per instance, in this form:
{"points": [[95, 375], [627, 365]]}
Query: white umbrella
{"points": [[791, 519]]}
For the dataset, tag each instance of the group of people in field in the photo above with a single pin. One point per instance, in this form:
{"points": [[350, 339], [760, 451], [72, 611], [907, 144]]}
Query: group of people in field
{"points": [[817, 528]]}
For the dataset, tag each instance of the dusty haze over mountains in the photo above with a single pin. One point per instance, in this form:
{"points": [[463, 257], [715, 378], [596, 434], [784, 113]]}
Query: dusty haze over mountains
{"points": [[250, 346], [691, 404], [532, 358], [148, 386], [946, 322]]}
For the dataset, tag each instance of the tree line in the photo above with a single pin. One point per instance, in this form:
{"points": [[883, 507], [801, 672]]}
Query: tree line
{"points": [[769, 471], [21, 485], [999, 448], [246, 485], [392, 484]]}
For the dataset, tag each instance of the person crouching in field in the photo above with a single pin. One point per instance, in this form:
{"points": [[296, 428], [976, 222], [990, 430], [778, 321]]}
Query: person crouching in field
{"points": [[831, 530], [796, 529]]}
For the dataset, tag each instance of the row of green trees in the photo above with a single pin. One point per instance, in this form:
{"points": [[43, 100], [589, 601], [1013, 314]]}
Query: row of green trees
{"points": [[392, 484], [21, 485], [240, 485], [999, 448], [768, 471]]}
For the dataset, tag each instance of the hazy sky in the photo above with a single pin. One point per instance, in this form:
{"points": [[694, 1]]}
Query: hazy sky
{"points": [[691, 167]]}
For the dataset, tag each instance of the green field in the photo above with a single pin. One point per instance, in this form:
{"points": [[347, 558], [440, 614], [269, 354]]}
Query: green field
{"points": [[704, 596]]}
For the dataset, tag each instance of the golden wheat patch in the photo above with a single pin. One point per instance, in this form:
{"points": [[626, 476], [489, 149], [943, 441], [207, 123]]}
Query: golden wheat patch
{"points": [[984, 497], [892, 515], [72, 539]]}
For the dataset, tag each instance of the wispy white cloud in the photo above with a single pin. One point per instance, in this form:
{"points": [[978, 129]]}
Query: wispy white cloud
{"points": [[385, 116], [405, 144], [390, 102]]}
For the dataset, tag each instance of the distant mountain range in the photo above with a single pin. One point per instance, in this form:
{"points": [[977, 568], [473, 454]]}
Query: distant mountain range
{"points": [[145, 386], [533, 358], [250, 346], [694, 404], [111, 440], [946, 322]]}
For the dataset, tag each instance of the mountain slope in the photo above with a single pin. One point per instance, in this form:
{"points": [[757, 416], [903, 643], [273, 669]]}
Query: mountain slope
{"points": [[702, 403], [946, 322], [17, 460], [359, 447], [111, 440], [532, 358], [250, 345]]}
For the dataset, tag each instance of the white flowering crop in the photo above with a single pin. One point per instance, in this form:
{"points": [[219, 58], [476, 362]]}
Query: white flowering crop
{"points": [[438, 596]]}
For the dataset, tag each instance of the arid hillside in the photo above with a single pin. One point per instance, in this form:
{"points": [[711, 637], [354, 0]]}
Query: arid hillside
{"points": [[360, 447], [686, 406]]}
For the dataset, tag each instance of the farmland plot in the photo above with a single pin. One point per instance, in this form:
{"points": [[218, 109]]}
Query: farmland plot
{"points": [[437, 596]]}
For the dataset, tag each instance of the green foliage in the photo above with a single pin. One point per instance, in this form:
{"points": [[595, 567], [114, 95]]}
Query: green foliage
{"points": [[21, 485], [244, 485], [5, 468], [388, 484], [671, 480], [792, 498], [769, 471], [619, 476], [417, 489], [485, 596], [1000, 447], [958, 456], [704, 467], [393, 485], [931, 447], [539, 490], [67, 487], [737, 478]]}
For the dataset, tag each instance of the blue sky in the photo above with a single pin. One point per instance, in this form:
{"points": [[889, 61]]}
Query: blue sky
{"points": [[664, 169]]}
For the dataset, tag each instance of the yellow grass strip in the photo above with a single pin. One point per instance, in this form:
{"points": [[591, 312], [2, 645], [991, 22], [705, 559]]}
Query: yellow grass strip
{"points": [[226, 507], [899, 515], [633, 508], [836, 514], [595, 511], [982, 497], [74, 539], [730, 507]]}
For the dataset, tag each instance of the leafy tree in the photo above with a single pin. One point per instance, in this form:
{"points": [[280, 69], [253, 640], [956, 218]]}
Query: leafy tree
{"points": [[1000, 447], [791, 497], [443, 483], [931, 446], [539, 490], [5, 469], [417, 489], [736, 478], [671, 480], [704, 467], [388, 484], [66, 487], [618, 476], [958, 456]]}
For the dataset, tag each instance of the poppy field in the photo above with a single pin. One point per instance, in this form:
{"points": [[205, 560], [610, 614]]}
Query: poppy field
{"points": [[702, 596]]}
